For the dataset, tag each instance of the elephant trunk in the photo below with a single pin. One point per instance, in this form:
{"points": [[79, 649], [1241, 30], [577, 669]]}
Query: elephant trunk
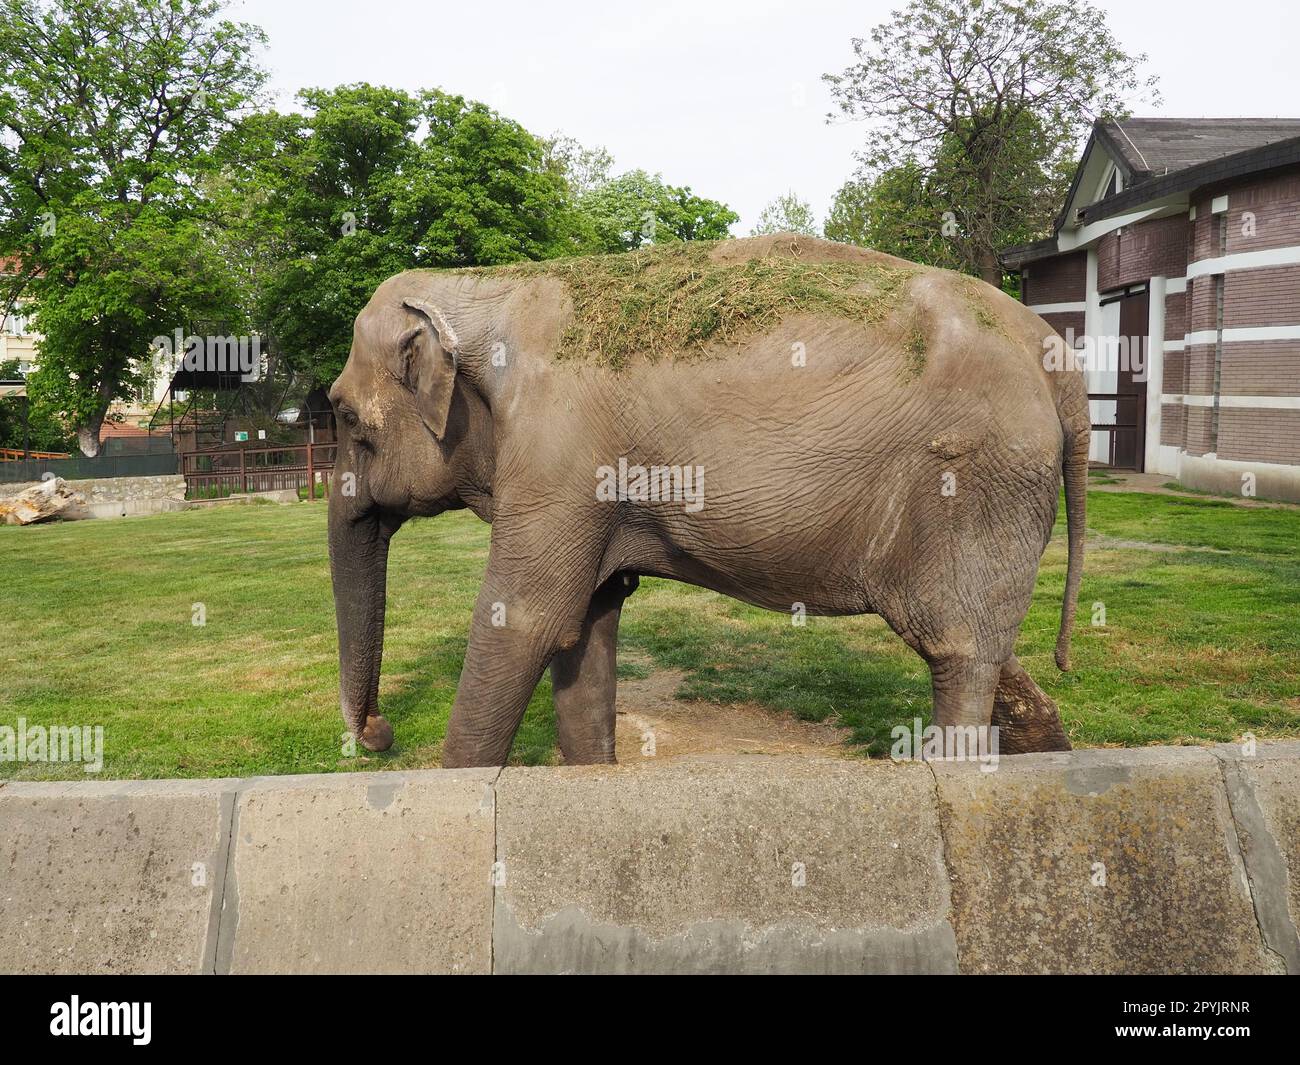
{"points": [[359, 570]]}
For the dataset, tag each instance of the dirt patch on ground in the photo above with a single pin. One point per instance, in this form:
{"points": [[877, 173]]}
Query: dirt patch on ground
{"points": [[652, 723], [1113, 543]]}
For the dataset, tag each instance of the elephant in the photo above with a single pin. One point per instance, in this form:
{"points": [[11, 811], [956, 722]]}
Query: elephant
{"points": [[902, 458]]}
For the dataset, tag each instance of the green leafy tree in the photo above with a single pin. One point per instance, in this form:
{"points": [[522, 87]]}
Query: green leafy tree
{"points": [[584, 169], [373, 181], [484, 194], [993, 96], [906, 210], [896, 211], [109, 114], [638, 208], [787, 214], [44, 429]]}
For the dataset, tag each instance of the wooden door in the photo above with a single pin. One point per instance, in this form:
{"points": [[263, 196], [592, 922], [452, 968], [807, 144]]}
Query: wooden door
{"points": [[1129, 442]]}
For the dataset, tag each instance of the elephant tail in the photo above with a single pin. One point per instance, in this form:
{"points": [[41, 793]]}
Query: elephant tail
{"points": [[1078, 432]]}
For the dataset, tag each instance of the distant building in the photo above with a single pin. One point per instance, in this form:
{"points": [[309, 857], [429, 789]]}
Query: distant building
{"points": [[17, 341], [1175, 263]]}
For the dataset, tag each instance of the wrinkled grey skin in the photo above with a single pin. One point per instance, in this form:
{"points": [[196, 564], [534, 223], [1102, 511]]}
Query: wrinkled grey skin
{"points": [[844, 484]]}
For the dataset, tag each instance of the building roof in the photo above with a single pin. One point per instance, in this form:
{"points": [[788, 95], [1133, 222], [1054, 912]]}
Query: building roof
{"points": [[120, 429], [1160, 158], [1225, 168], [1153, 147]]}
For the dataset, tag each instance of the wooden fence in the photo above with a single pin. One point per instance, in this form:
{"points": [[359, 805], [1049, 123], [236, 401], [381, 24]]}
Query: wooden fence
{"points": [[16, 454]]}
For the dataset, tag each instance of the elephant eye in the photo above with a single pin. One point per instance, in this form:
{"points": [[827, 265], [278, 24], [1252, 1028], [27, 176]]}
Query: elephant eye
{"points": [[349, 416]]}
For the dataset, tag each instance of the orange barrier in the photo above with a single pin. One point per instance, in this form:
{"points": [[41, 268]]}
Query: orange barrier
{"points": [[15, 454]]}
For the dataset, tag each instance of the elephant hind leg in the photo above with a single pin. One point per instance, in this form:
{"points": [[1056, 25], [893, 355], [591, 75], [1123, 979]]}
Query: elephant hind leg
{"points": [[584, 679], [1026, 717], [963, 686], [965, 645], [968, 693]]}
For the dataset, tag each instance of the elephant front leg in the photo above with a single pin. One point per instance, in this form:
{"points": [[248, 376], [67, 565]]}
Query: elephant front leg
{"points": [[585, 678], [525, 614]]}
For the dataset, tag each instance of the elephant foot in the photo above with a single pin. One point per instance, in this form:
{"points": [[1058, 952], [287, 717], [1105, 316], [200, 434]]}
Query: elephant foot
{"points": [[455, 758], [377, 734], [1028, 721], [599, 756]]}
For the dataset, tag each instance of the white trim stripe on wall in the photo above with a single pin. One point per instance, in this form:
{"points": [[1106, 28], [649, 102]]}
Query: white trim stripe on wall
{"points": [[1058, 308], [1251, 402], [1243, 334], [1245, 260]]}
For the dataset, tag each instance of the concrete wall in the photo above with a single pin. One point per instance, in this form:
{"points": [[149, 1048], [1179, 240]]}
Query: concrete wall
{"points": [[1227, 477], [1179, 860], [120, 497]]}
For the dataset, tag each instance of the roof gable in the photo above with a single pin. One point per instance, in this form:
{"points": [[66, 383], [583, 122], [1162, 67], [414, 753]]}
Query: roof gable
{"points": [[1143, 149], [1092, 176], [1154, 147]]}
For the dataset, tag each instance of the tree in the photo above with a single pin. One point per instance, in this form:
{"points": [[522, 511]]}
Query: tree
{"points": [[584, 169], [483, 193], [44, 431], [622, 213], [373, 181], [638, 208], [905, 210], [109, 115], [896, 211], [786, 214], [993, 95]]}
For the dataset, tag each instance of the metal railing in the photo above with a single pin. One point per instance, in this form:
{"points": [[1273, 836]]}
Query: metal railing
{"points": [[219, 472]]}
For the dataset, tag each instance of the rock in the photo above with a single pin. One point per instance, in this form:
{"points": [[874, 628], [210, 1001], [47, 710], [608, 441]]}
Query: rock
{"points": [[50, 499]]}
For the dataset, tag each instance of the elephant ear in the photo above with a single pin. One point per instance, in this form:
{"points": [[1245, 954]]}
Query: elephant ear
{"points": [[429, 354]]}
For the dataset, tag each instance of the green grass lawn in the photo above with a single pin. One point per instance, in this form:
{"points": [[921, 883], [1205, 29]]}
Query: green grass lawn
{"points": [[1199, 645]]}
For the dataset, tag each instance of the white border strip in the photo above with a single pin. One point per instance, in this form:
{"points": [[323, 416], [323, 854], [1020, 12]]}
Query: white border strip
{"points": [[1250, 402], [1058, 308], [1243, 334], [1245, 260]]}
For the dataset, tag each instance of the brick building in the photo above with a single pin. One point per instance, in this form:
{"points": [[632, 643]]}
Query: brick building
{"points": [[1175, 266]]}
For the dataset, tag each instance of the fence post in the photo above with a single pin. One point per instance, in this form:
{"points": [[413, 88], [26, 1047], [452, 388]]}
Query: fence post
{"points": [[311, 474], [243, 475]]}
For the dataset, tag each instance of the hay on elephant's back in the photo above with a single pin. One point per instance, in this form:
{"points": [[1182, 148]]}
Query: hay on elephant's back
{"points": [[679, 301]]}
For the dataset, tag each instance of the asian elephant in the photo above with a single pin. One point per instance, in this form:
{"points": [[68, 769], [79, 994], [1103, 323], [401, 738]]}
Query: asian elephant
{"points": [[823, 453]]}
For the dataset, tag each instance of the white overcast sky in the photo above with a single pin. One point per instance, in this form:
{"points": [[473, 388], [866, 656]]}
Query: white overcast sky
{"points": [[723, 95]]}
